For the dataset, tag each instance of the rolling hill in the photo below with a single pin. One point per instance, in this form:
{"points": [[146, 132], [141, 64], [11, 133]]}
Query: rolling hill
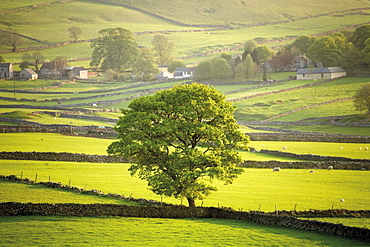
{"points": [[198, 28]]}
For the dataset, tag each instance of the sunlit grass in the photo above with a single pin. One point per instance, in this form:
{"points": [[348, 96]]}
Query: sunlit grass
{"points": [[116, 231], [17, 192], [255, 189]]}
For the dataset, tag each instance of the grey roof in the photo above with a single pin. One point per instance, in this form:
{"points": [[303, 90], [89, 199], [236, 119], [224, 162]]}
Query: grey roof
{"points": [[320, 70], [5, 64], [185, 69], [31, 71]]}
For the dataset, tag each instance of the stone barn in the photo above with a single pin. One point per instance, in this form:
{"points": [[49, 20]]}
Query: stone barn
{"points": [[28, 74], [320, 73]]}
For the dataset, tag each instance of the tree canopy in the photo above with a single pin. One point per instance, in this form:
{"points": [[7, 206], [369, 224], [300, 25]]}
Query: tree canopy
{"points": [[181, 139], [116, 48], [362, 98], [163, 48]]}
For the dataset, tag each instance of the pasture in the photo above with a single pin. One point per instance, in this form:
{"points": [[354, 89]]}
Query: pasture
{"points": [[255, 189], [115, 231], [18, 192], [48, 142]]}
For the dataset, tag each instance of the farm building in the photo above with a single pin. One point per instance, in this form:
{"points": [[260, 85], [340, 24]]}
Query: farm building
{"points": [[77, 72], [49, 69], [320, 73], [163, 73], [184, 72], [28, 74], [6, 70]]}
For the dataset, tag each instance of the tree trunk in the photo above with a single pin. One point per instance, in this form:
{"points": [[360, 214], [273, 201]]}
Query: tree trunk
{"points": [[191, 202]]}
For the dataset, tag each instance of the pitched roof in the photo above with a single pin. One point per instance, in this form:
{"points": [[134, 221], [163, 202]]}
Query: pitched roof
{"points": [[185, 69], [31, 71], [320, 70], [5, 65]]}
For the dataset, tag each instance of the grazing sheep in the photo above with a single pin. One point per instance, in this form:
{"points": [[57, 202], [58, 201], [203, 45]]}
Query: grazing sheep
{"points": [[312, 171], [341, 200], [330, 167], [341, 147], [284, 148], [366, 148], [276, 169], [360, 148]]}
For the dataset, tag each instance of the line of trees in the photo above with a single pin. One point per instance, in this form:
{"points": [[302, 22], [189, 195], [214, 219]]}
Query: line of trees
{"points": [[116, 51]]}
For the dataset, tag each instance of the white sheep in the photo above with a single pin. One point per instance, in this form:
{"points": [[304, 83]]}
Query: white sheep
{"points": [[285, 147], [276, 169], [341, 200], [330, 167]]}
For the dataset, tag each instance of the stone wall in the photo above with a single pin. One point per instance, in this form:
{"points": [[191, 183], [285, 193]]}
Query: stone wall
{"points": [[70, 209], [68, 157], [307, 137], [313, 157]]}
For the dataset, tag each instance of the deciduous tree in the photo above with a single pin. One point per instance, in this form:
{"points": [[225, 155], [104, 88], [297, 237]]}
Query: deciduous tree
{"points": [[362, 98], [175, 64], [116, 48], [146, 68], [74, 33], [11, 38], [180, 140], [163, 48], [302, 43]]}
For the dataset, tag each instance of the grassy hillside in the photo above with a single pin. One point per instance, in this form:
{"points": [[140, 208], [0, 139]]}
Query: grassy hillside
{"points": [[48, 24], [239, 12]]}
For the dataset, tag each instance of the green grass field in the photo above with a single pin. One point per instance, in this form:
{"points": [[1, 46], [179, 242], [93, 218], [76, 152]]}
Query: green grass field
{"points": [[254, 189], [47, 142], [17, 192], [115, 231]]}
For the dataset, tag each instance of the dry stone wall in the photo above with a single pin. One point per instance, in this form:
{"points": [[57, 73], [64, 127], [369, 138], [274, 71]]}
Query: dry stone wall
{"points": [[69, 209]]}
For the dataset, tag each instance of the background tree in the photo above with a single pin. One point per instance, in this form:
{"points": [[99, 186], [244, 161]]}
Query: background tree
{"points": [[204, 70], [351, 59], [362, 98], [163, 48], [249, 47], [245, 69], [360, 35], [116, 48], [325, 50], [261, 54], [59, 64], [366, 51], [146, 68], [175, 64], [282, 61], [180, 140], [24, 65], [11, 38], [74, 33], [220, 69], [302, 43], [38, 59], [35, 59]]}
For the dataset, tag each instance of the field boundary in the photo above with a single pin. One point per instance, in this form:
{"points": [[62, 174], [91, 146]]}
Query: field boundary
{"points": [[176, 212], [311, 161]]}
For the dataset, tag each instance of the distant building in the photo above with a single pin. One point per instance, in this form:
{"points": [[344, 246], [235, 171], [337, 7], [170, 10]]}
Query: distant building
{"points": [[49, 69], [184, 72], [164, 74], [6, 71], [28, 74], [77, 72], [320, 73]]}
